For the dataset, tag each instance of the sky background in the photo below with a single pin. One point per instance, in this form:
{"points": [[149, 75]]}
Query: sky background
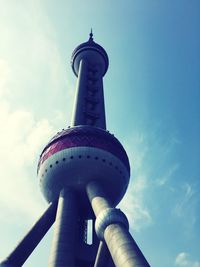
{"points": [[152, 100]]}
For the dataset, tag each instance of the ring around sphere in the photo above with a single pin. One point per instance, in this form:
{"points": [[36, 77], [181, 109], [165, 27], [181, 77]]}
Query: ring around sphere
{"points": [[109, 216]]}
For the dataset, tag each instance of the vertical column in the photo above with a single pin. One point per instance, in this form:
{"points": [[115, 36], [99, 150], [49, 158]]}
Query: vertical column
{"points": [[64, 241], [78, 116], [94, 101], [89, 106], [112, 227]]}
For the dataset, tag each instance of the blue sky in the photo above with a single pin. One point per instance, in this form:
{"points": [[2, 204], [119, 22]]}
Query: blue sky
{"points": [[152, 105]]}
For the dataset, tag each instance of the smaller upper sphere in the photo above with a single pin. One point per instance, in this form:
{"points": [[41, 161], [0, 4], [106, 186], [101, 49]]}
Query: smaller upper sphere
{"points": [[93, 53]]}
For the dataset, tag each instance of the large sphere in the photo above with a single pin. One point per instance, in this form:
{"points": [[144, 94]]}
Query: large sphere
{"points": [[79, 155]]}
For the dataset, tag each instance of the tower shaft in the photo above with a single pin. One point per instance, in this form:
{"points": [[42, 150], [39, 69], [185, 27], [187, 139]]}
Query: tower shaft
{"points": [[84, 172], [89, 106], [65, 231], [69, 246]]}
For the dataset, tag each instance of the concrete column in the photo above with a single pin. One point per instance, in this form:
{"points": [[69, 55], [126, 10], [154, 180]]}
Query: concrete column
{"points": [[31, 240], [89, 108], [78, 114], [112, 227], [65, 232], [97, 198]]}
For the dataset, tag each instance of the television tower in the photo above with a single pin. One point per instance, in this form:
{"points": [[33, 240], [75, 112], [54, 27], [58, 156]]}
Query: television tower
{"points": [[84, 172]]}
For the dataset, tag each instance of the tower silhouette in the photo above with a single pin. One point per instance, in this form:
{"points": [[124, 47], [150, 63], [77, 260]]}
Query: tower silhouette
{"points": [[84, 172]]}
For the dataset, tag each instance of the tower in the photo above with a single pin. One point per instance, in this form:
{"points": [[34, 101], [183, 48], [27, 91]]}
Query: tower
{"points": [[84, 173]]}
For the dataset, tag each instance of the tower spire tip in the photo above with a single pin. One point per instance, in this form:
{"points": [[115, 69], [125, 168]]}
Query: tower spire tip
{"points": [[91, 35]]}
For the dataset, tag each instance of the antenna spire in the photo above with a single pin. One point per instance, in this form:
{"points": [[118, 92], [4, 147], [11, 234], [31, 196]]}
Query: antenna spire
{"points": [[91, 35]]}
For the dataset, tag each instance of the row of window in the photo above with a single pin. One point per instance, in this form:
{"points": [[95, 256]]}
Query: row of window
{"points": [[90, 113], [88, 157]]}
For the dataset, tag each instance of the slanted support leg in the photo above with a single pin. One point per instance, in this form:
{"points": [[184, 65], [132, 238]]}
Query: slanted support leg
{"points": [[112, 227], [23, 250], [103, 257]]}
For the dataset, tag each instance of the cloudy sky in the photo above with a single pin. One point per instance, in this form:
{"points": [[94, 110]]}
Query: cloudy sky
{"points": [[152, 104]]}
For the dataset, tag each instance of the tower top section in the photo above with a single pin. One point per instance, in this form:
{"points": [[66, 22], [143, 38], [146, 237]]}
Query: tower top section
{"points": [[92, 52]]}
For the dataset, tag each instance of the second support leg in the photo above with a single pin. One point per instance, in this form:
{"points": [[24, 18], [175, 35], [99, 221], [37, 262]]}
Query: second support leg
{"points": [[112, 227], [64, 241]]}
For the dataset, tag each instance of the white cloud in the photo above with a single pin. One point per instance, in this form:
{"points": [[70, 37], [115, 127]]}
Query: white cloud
{"points": [[32, 76], [183, 260], [4, 76], [161, 181], [137, 148], [21, 140], [186, 207], [134, 202], [31, 68], [144, 147]]}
